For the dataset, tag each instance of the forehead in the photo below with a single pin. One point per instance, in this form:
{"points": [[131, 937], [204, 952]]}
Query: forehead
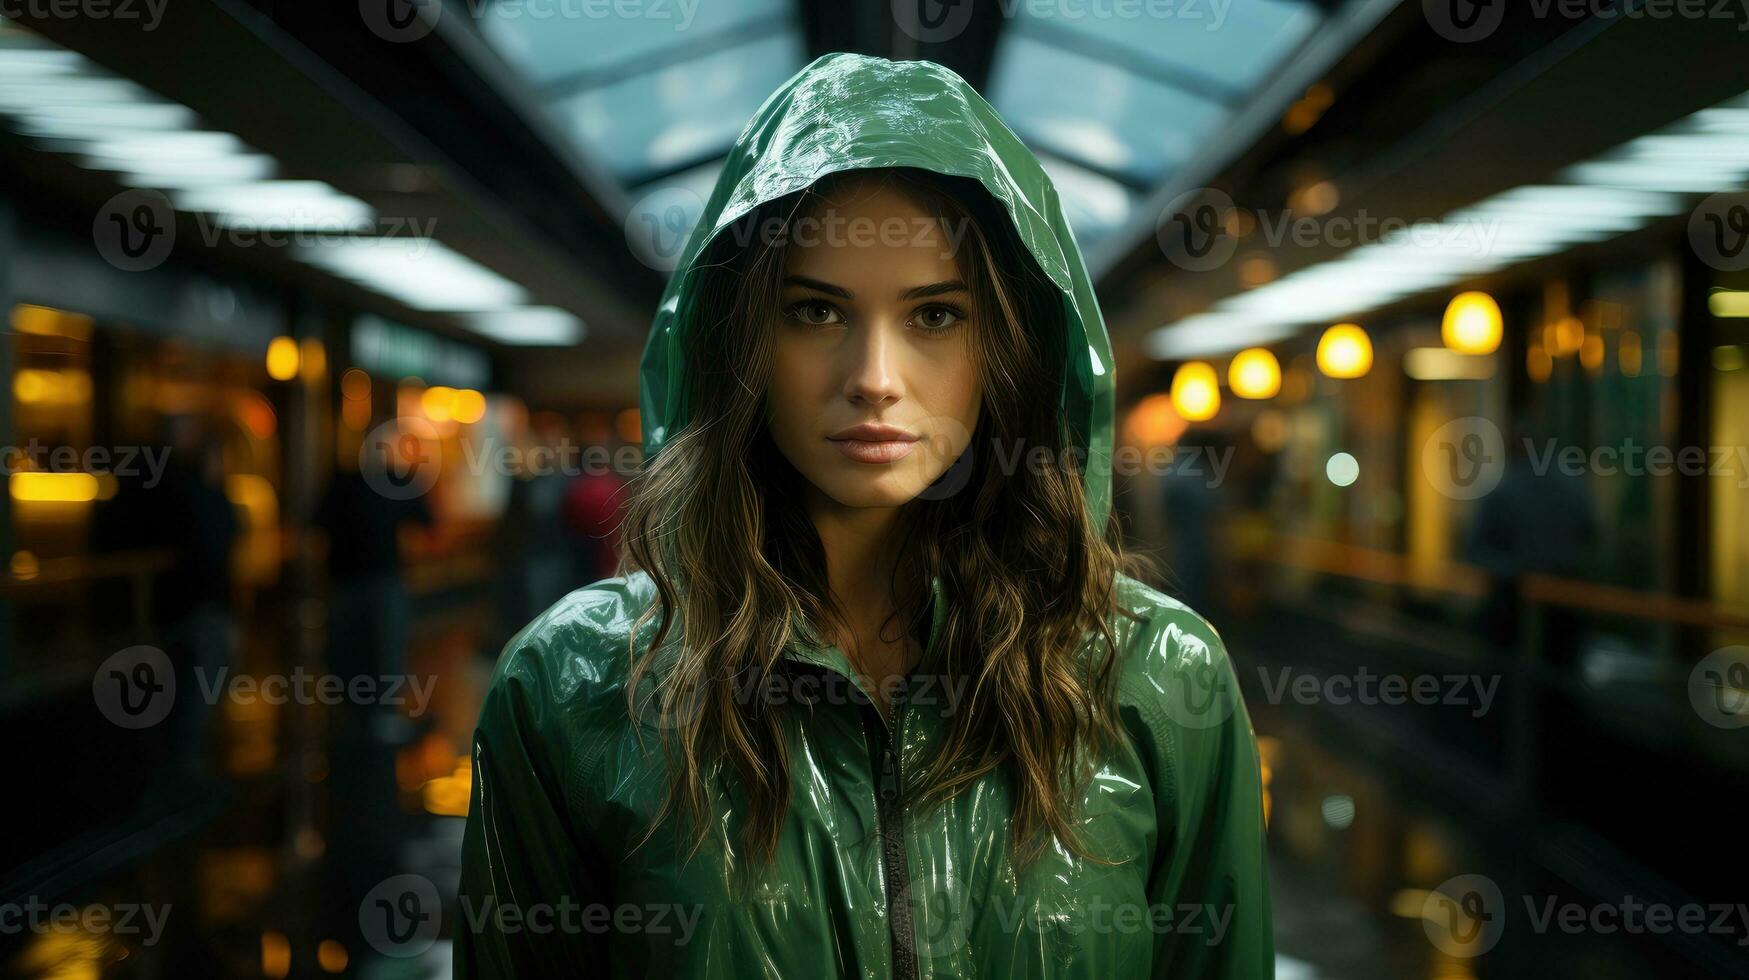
{"points": [[871, 233]]}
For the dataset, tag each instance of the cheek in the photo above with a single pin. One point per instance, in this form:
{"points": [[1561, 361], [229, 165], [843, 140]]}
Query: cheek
{"points": [[793, 398], [954, 385]]}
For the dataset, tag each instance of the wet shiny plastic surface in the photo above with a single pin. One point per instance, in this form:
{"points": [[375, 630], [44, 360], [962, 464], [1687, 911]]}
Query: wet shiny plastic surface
{"points": [[563, 787]]}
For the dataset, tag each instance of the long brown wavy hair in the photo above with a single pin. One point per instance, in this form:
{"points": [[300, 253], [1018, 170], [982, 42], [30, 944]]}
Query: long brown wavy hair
{"points": [[715, 521]]}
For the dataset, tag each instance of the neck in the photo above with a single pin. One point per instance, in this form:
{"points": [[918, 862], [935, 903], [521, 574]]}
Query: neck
{"points": [[860, 546]]}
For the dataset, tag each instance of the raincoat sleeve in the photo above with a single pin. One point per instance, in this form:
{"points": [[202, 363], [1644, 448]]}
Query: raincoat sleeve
{"points": [[534, 877], [1209, 873]]}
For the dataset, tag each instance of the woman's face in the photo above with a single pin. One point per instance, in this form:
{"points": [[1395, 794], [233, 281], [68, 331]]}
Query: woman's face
{"points": [[873, 392]]}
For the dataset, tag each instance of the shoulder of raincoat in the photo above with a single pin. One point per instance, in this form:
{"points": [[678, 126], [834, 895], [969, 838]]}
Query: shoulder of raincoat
{"points": [[565, 781]]}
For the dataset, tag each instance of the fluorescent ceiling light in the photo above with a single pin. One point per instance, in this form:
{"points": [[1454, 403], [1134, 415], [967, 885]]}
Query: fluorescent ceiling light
{"points": [[1617, 192], [1212, 333], [24, 94], [1658, 176], [419, 272], [287, 204], [221, 170], [167, 147], [96, 121], [529, 325], [34, 62]]}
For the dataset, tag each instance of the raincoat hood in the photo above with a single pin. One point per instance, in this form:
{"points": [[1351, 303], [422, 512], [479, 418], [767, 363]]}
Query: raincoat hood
{"points": [[855, 112]]}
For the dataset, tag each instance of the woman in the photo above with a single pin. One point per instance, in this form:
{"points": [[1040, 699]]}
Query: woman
{"points": [[875, 694]]}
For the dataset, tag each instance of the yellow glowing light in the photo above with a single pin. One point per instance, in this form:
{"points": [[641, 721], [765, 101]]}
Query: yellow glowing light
{"points": [[331, 956], [1315, 199], [1473, 324], [256, 414], [255, 494], [1345, 351], [59, 488], [1254, 373], [629, 425], [469, 406], [1153, 422], [49, 322], [355, 385], [447, 796], [275, 954], [1538, 364], [438, 403], [1728, 302], [1627, 354], [51, 386], [1256, 271], [1196, 391], [1591, 352], [1564, 336], [315, 358], [25, 566], [282, 359]]}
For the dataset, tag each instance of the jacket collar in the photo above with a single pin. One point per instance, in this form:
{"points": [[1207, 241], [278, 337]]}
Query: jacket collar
{"points": [[808, 648]]}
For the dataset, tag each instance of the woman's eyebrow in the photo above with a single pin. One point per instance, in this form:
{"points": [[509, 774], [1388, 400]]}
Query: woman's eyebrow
{"points": [[935, 289], [824, 287]]}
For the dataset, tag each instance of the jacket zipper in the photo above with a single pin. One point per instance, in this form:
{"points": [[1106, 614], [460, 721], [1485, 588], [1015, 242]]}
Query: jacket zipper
{"points": [[895, 866]]}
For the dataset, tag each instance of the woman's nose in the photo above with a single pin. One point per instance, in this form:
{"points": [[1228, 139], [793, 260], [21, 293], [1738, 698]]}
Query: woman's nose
{"points": [[873, 373]]}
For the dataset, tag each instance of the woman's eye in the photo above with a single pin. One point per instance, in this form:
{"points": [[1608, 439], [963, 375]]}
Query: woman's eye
{"points": [[939, 317], [814, 312]]}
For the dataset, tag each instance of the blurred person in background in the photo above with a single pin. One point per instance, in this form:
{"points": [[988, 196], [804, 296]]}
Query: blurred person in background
{"points": [[595, 501], [363, 513], [186, 513], [1536, 521], [1191, 501], [538, 549]]}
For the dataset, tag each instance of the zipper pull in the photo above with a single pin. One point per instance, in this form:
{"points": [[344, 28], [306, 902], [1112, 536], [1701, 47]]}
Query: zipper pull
{"points": [[889, 782]]}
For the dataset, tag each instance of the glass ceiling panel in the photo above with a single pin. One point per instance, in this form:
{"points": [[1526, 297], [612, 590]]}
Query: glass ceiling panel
{"points": [[1110, 120], [1234, 45], [548, 48], [1093, 204], [653, 122]]}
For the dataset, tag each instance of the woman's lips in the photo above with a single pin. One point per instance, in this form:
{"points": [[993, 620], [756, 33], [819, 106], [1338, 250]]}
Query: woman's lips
{"points": [[864, 451]]}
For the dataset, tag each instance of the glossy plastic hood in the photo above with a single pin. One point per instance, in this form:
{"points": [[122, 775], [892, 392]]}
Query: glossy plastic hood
{"points": [[852, 112]]}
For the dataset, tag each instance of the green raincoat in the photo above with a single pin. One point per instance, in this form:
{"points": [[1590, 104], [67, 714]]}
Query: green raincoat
{"points": [[863, 887]]}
